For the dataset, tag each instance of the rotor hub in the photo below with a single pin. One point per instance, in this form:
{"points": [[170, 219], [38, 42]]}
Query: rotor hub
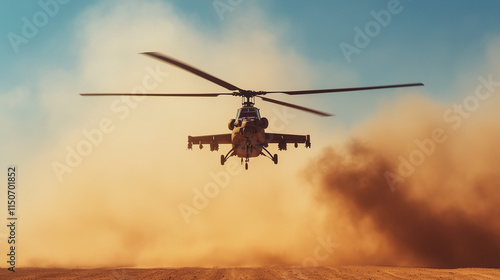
{"points": [[248, 96]]}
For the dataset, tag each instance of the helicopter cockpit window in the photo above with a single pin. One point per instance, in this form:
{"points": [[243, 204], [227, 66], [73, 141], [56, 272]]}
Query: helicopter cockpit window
{"points": [[257, 113], [248, 113]]}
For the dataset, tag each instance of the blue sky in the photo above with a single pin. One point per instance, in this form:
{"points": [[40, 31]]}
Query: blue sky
{"points": [[440, 36]]}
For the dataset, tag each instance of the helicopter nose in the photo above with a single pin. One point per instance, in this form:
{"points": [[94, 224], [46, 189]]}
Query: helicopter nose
{"points": [[248, 129]]}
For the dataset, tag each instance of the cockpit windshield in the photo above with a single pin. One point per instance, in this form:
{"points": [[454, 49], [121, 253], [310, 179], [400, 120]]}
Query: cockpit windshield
{"points": [[248, 112]]}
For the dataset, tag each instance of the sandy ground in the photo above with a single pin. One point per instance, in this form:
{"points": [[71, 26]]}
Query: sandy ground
{"points": [[281, 272]]}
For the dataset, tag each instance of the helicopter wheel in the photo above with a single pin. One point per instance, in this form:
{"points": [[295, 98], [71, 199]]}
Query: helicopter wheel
{"points": [[246, 165], [275, 159], [222, 159]]}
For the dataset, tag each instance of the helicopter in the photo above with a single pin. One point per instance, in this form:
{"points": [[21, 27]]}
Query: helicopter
{"points": [[248, 136]]}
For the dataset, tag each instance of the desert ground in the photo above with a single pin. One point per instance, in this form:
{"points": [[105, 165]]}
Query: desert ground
{"points": [[278, 272]]}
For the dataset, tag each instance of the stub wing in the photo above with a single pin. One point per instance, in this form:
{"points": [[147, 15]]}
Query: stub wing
{"points": [[288, 138], [213, 140], [283, 139], [207, 139]]}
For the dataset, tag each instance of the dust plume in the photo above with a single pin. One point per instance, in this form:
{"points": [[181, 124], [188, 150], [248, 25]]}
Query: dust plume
{"points": [[418, 184], [107, 186]]}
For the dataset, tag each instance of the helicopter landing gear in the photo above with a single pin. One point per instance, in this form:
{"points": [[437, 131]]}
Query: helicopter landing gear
{"points": [[224, 158], [274, 157], [246, 162]]}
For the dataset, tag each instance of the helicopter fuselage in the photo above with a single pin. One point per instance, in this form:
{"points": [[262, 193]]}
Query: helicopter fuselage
{"points": [[248, 132], [248, 137]]}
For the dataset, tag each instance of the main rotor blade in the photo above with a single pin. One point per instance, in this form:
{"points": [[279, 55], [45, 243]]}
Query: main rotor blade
{"points": [[192, 69], [295, 106], [158, 94], [314, 91]]}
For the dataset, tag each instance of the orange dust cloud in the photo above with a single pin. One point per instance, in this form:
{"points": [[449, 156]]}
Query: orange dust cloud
{"points": [[417, 185]]}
